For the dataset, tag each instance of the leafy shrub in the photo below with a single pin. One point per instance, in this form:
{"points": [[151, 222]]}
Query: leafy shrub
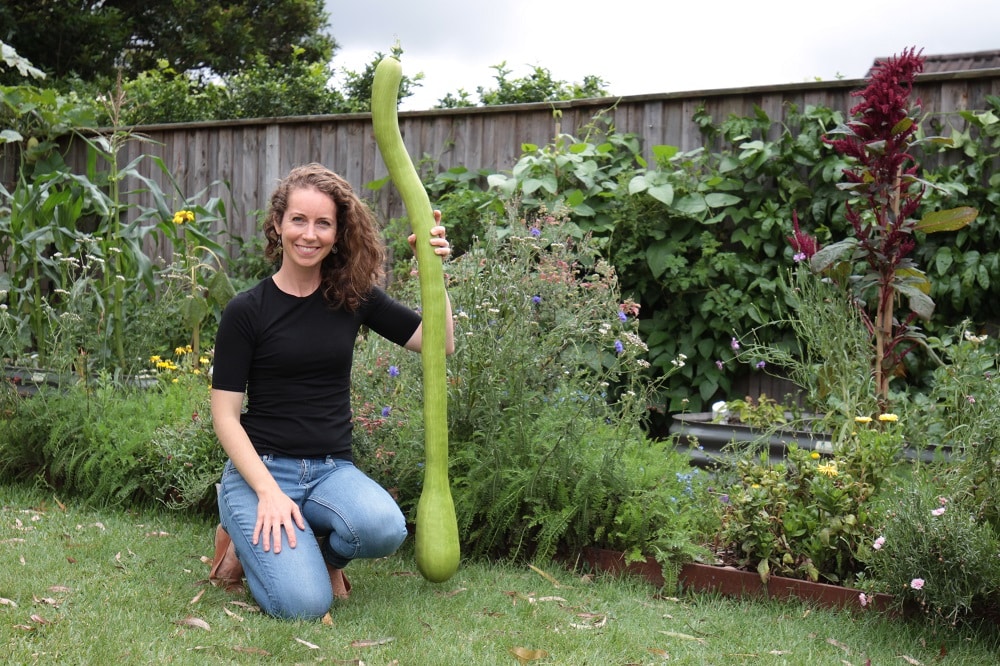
{"points": [[931, 551], [548, 392], [807, 516], [110, 443]]}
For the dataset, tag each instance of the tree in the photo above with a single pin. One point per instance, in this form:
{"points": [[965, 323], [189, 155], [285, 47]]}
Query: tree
{"points": [[358, 85], [539, 86], [91, 39]]}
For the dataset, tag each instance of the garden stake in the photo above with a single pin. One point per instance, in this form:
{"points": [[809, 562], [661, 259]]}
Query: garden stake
{"points": [[437, 548]]}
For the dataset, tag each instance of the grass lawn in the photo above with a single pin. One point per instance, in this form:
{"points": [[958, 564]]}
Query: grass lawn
{"points": [[114, 586]]}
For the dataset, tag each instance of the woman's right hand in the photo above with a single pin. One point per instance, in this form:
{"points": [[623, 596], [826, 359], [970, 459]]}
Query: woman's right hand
{"points": [[276, 510]]}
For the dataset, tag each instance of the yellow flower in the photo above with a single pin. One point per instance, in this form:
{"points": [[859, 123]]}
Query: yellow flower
{"points": [[891, 418], [814, 455], [204, 360], [182, 216], [180, 351], [155, 358], [755, 486], [829, 469], [862, 419]]}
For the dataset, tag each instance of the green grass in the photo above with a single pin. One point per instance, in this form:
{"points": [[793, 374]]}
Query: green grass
{"points": [[116, 587]]}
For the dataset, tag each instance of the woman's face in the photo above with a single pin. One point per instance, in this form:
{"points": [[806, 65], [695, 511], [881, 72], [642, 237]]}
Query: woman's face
{"points": [[308, 228]]}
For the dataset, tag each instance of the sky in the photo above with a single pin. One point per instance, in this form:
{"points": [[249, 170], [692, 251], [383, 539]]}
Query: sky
{"points": [[650, 46]]}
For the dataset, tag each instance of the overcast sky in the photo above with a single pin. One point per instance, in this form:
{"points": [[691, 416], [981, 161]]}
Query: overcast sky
{"points": [[651, 46]]}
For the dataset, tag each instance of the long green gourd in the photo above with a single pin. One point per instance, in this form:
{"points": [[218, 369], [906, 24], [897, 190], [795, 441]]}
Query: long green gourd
{"points": [[437, 547]]}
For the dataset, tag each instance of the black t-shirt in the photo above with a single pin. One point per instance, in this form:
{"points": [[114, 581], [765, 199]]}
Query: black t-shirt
{"points": [[292, 356]]}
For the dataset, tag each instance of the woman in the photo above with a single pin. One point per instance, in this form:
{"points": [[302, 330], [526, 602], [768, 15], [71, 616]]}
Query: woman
{"points": [[294, 509]]}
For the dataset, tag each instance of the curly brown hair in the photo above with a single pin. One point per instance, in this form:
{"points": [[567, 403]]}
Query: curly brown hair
{"points": [[358, 261]]}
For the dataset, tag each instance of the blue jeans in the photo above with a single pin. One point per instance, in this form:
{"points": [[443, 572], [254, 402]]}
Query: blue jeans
{"points": [[347, 515]]}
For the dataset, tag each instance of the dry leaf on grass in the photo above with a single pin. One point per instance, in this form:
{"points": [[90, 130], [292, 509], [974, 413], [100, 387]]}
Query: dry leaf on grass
{"points": [[524, 655], [252, 650], [8, 602], [546, 576], [910, 660], [372, 642], [197, 597], [47, 601], [836, 643], [327, 620], [232, 614], [686, 637], [59, 588], [38, 619], [596, 621], [309, 645], [448, 595], [195, 622]]}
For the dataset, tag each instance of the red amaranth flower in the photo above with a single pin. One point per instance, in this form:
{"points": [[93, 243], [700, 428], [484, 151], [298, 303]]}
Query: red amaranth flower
{"points": [[801, 242]]}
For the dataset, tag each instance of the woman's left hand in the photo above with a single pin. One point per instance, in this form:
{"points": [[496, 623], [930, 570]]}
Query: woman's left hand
{"points": [[438, 241]]}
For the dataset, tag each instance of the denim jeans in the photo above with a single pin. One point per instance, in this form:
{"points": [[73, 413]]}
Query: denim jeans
{"points": [[347, 515]]}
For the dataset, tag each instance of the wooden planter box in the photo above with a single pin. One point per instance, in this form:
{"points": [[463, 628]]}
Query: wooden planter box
{"points": [[731, 582]]}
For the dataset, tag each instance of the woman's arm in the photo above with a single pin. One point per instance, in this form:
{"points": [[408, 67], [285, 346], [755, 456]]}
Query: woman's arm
{"points": [[274, 509], [442, 249]]}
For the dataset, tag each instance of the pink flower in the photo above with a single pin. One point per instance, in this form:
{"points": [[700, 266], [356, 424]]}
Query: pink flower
{"points": [[917, 583], [938, 511], [942, 500], [863, 598], [879, 542]]}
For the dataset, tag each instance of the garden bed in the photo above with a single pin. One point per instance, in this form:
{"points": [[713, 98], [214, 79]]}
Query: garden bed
{"points": [[732, 582]]}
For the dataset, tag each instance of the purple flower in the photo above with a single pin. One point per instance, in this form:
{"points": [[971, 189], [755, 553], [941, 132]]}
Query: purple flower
{"points": [[724, 498], [622, 316], [536, 299], [735, 344], [393, 371], [917, 583], [536, 232], [863, 599], [718, 364], [760, 365], [386, 411], [797, 258], [619, 347]]}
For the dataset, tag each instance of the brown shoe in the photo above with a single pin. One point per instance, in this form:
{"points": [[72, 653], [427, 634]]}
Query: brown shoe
{"points": [[341, 586], [227, 572]]}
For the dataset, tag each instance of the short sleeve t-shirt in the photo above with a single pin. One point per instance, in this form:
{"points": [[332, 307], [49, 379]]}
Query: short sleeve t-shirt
{"points": [[293, 357]]}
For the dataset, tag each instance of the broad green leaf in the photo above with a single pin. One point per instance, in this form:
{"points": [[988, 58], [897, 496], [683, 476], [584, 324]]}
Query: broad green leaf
{"points": [[947, 220], [637, 184], [915, 278], [662, 153], [943, 260], [920, 303], [658, 256], [721, 199], [826, 256], [663, 193], [692, 204]]}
